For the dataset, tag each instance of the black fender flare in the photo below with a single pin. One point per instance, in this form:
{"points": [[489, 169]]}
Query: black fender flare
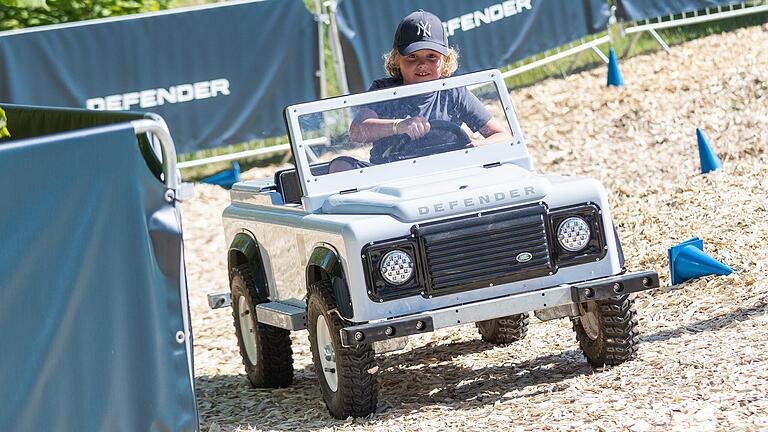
{"points": [[324, 264], [244, 249]]}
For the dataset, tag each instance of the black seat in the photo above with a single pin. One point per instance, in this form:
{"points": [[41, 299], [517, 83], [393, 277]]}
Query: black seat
{"points": [[288, 185]]}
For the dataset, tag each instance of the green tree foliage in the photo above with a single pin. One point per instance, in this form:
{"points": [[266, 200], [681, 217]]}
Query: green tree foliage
{"points": [[24, 3], [16, 14], [3, 130]]}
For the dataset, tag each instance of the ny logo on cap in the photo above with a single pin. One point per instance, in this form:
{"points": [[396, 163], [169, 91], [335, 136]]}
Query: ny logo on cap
{"points": [[425, 28]]}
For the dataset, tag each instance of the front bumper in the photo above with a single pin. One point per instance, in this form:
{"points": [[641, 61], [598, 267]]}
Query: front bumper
{"points": [[560, 295]]}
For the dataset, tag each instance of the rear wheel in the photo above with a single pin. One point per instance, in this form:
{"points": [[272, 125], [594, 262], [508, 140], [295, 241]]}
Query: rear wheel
{"points": [[504, 330], [346, 375], [266, 350], [607, 330]]}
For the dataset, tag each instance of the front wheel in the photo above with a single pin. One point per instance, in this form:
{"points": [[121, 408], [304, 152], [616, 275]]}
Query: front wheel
{"points": [[346, 374], [607, 330]]}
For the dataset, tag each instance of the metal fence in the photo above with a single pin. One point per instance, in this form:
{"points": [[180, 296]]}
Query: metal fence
{"points": [[635, 29]]}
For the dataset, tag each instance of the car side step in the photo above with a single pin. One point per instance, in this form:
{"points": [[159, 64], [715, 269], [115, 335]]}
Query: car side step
{"points": [[289, 314]]}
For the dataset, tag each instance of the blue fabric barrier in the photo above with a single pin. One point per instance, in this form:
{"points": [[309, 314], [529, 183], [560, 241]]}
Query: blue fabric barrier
{"points": [[634, 10], [218, 74], [93, 294], [487, 33]]}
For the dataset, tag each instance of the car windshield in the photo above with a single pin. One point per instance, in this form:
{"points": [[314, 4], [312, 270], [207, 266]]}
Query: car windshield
{"points": [[390, 128]]}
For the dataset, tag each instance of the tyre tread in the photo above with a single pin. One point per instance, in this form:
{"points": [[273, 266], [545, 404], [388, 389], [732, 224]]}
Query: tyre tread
{"points": [[619, 333], [275, 368], [358, 397]]}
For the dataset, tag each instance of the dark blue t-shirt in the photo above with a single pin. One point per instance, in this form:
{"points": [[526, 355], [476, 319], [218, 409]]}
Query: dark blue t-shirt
{"points": [[457, 105]]}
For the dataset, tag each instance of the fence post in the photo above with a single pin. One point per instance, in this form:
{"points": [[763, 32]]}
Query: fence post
{"points": [[321, 19], [335, 43]]}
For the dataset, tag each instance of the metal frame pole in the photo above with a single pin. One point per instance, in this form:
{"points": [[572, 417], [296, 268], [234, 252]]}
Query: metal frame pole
{"points": [[660, 40], [321, 18], [235, 156], [631, 43], [160, 130], [600, 54], [335, 43], [558, 56]]}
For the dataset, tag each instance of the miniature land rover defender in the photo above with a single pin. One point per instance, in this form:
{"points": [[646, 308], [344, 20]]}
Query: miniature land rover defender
{"points": [[432, 234]]}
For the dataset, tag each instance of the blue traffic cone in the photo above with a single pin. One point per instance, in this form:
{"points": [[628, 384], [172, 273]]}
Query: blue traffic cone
{"points": [[687, 260], [225, 178], [614, 74], [709, 159]]}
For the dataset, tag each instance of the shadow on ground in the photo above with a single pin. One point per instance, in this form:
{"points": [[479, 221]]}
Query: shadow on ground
{"points": [[431, 379]]}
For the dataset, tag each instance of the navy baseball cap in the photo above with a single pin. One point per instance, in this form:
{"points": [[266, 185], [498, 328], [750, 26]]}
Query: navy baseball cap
{"points": [[420, 30]]}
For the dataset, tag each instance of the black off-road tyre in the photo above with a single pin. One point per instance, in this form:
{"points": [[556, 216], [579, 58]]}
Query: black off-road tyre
{"points": [[357, 392], [270, 363], [504, 330], [607, 331]]}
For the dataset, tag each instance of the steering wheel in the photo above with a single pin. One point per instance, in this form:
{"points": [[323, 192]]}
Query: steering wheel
{"points": [[435, 141]]}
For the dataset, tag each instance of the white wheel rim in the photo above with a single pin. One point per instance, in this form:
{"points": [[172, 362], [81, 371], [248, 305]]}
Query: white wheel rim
{"points": [[590, 321], [327, 354], [247, 329]]}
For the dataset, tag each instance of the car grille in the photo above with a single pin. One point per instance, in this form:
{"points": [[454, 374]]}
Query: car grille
{"points": [[480, 251]]}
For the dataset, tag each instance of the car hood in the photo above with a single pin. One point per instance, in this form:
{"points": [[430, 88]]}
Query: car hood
{"points": [[444, 194]]}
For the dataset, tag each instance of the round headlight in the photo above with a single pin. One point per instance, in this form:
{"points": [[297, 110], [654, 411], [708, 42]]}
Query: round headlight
{"points": [[396, 267], [573, 234]]}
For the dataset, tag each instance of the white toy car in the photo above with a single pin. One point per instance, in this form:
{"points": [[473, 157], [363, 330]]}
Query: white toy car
{"points": [[434, 234]]}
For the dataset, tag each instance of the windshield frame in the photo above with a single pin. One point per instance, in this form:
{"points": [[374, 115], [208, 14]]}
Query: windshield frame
{"points": [[316, 188]]}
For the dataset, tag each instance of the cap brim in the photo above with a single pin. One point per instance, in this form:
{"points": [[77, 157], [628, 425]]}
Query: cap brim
{"points": [[411, 48]]}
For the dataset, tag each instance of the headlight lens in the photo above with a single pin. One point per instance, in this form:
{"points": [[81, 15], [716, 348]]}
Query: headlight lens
{"points": [[573, 234], [396, 267]]}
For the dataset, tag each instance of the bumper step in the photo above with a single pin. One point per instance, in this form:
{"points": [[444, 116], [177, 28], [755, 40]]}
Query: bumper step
{"points": [[615, 286]]}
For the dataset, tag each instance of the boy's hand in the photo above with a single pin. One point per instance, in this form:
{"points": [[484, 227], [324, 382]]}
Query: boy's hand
{"points": [[414, 127]]}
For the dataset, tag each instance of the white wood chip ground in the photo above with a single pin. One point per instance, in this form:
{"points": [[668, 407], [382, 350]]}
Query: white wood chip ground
{"points": [[703, 361]]}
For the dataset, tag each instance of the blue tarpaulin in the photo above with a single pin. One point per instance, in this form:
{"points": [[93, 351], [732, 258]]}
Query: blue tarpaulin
{"points": [[217, 74], [94, 324], [487, 33]]}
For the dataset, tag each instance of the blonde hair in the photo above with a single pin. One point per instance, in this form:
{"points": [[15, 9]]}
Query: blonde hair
{"points": [[392, 63]]}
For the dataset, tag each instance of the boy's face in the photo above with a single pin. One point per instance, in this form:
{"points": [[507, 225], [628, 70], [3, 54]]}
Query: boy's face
{"points": [[420, 66]]}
